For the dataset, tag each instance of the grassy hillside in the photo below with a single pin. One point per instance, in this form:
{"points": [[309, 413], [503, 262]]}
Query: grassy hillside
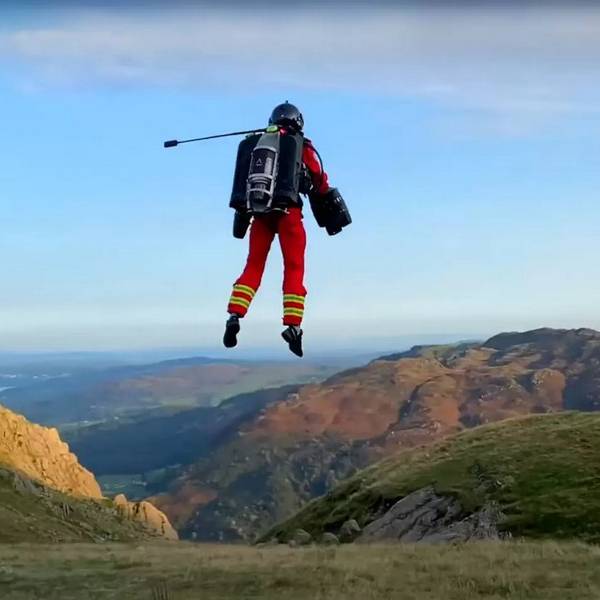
{"points": [[31, 512], [543, 471], [527, 571]]}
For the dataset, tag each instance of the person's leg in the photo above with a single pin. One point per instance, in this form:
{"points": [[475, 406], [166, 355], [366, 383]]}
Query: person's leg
{"points": [[262, 233], [292, 238]]}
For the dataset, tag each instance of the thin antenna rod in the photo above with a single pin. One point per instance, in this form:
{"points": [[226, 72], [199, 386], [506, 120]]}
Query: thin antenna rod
{"points": [[173, 143]]}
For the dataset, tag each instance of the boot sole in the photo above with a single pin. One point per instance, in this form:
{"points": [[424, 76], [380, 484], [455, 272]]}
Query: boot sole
{"points": [[230, 337], [297, 350]]}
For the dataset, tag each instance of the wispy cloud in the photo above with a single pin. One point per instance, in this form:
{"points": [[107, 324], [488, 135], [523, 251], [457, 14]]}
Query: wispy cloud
{"points": [[500, 60]]}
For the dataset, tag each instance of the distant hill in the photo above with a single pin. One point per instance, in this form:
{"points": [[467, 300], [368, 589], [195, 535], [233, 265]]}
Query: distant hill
{"points": [[122, 392], [542, 474], [301, 447]]}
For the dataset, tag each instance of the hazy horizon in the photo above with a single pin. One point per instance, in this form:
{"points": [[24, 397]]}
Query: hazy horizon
{"points": [[256, 350]]}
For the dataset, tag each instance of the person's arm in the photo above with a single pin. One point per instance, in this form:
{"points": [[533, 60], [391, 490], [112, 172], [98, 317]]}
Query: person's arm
{"points": [[319, 177]]}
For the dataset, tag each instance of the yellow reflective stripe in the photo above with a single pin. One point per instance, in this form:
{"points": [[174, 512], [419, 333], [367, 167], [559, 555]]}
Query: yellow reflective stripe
{"points": [[293, 311], [244, 288], [240, 301], [293, 298]]}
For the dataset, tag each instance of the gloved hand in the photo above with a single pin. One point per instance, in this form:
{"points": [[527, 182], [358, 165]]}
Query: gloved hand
{"points": [[306, 185], [330, 210], [241, 222]]}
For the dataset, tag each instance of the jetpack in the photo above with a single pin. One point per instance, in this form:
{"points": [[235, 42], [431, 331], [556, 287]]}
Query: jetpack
{"points": [[269, 176]]}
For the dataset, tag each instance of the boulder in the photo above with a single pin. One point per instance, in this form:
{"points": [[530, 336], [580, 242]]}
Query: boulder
{"points": [[301, 538], [349, 531], [329, 539], [424, 516], [153, 519]]}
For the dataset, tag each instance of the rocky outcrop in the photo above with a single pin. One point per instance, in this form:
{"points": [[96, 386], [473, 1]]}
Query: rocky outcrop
{"points": [[423, 516], [39, 453], [148, 515], [38, 462]]}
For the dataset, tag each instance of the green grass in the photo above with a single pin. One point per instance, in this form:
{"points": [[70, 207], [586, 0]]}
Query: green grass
{"points": [[40, 514], [523, 571], [543, 471]]}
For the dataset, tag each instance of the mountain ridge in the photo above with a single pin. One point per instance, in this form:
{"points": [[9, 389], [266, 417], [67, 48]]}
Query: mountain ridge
{"points": [[300, 447]]}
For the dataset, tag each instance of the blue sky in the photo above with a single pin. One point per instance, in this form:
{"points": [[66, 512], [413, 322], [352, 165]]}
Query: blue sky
{"points": [[466, 143]]}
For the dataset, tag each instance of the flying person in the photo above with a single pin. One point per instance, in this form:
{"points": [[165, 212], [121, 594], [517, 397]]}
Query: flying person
{"points": [[273, 170]]}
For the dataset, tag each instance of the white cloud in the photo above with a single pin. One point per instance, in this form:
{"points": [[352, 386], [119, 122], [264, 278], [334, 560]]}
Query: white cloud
{"points": [[502, 61]]}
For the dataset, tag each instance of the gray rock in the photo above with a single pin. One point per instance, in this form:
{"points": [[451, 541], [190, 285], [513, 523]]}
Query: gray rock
{"points": [[481, 525], [301, 538], [423, 516], [329, 539], [24, 485], [349, 531]]}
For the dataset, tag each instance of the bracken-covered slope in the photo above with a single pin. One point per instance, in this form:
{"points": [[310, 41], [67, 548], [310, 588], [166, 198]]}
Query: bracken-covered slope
{"points": [[300, 447], [542, 472]]}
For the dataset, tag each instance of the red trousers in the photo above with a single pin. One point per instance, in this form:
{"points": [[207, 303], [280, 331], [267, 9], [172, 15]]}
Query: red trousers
{"points": [[292, 238]]}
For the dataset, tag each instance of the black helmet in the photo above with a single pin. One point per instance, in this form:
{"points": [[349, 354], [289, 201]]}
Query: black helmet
{"points": [[287, 115]]}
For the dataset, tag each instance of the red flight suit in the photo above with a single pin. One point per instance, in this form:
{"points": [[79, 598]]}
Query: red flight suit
{"points": [[292, 239]]}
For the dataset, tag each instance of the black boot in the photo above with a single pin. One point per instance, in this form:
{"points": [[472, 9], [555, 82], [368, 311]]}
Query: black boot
{"points": [[232, 328], [293, 336]]}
